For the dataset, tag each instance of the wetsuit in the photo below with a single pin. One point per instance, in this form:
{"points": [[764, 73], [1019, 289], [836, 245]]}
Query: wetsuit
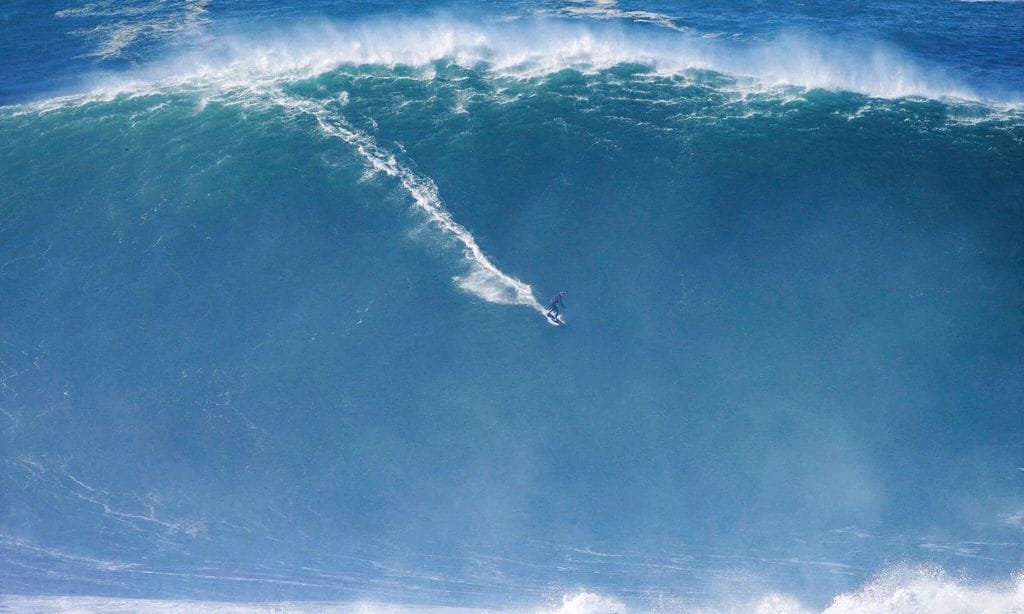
{"points": [[555, 302]]}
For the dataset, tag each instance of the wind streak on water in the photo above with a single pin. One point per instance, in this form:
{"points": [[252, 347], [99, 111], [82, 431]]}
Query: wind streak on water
{"points": [[484, 278]]}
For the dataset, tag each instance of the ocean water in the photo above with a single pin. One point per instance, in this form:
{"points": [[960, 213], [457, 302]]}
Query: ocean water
{"points": [[273, 278]]}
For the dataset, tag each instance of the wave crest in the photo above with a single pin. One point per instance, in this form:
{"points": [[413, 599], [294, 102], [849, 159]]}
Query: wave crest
{"points": [[537, 47]]}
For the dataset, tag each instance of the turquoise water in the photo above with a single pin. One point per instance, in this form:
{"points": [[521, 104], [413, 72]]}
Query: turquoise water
{"points": [[272, 301]]}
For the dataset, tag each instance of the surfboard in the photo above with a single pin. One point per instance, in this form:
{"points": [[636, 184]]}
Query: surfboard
{"points": [[555, 320]]}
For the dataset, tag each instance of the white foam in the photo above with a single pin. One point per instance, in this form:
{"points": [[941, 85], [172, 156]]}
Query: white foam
{"points": [[585, 602], [538, 47], [606, 9], [123, 25], [898, 591], [483, 278], [926, 590], [777, 603]]}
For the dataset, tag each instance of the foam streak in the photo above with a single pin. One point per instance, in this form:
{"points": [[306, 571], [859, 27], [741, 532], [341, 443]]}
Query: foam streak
{"points": [[484, 278]]}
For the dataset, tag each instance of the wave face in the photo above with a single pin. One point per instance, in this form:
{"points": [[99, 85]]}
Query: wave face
{"points": [[273, 277]]}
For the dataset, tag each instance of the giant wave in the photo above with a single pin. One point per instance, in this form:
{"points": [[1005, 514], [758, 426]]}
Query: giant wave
{"points": [[757, 330], [790, 61]]}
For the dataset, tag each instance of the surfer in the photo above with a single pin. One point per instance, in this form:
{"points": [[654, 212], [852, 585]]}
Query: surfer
{"points": [[555, 302]]}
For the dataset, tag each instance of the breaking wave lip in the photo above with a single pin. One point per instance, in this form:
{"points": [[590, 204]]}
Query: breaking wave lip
{"points": [[537, 47]]}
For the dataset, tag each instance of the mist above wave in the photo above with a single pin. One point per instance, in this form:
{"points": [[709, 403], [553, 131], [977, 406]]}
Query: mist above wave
{"points": [[531, 48]]}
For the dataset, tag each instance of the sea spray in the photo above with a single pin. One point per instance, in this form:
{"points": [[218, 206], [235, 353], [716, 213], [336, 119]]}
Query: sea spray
{"points": [[798, 361], [788, 60]]}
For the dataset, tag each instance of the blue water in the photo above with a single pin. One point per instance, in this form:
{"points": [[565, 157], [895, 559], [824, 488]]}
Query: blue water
{"points": [[272, 283]]}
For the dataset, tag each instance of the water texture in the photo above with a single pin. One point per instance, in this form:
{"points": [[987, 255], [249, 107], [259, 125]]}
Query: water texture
{"points": [[273, 279]]}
